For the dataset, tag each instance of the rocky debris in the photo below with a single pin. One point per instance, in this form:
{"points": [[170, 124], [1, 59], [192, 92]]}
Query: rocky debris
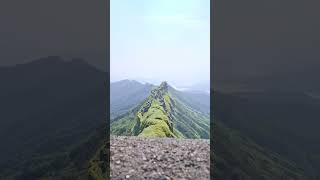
{"points": [[159, 158]]}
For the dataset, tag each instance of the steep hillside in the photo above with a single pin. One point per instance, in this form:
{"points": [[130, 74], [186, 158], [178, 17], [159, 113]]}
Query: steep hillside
{"points": [[126, 94], [283, 122], [199, 101], [154, 118], [163, 114], [85, 161], [49, 108]]}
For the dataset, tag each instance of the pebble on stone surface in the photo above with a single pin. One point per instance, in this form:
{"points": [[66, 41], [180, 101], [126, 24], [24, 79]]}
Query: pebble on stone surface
{"points": [[144, 158], [131, 171]]}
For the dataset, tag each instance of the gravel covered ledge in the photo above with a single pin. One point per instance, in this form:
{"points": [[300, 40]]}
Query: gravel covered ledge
{"points": [[159, 158]]}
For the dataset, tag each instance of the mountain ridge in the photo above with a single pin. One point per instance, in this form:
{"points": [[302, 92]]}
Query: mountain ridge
{"points": [[164, 112], [158, 122]]}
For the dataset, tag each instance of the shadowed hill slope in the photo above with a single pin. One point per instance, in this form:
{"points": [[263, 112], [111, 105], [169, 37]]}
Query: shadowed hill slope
{"points": [[52, 112], [282, 122], [126, 94], [238, 157]]}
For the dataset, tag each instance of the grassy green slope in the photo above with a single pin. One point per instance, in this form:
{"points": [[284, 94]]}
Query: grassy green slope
{"points": [[189, 122], [154, 117], [123, 125], [163, 114]]}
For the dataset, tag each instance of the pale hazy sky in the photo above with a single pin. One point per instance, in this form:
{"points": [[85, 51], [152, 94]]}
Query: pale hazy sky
{"points": [[161, 40]]}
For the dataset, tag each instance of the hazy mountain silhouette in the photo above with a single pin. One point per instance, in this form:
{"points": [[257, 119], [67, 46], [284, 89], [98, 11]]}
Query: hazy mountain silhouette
{"points": [[236, 156], [282, 122], [48, 107]]}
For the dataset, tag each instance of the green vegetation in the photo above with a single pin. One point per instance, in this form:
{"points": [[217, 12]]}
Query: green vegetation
{"points": [[98, 164], [126, 94], [153, 119], [237, 155], [164, 113], [123, 126]]}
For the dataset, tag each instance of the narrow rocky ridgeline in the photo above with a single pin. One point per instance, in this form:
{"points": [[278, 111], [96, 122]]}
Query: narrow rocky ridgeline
{"points": [[159, 158]]}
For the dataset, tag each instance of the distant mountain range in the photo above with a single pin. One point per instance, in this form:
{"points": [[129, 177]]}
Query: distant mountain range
{"points": [[126, 94], [197, 87]]}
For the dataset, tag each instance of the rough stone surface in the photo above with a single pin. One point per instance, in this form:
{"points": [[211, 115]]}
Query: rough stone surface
{"points": [[159, 158]]}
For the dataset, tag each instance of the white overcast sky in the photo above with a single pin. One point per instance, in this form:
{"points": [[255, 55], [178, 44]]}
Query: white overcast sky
{"points": [[160, 40]]}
